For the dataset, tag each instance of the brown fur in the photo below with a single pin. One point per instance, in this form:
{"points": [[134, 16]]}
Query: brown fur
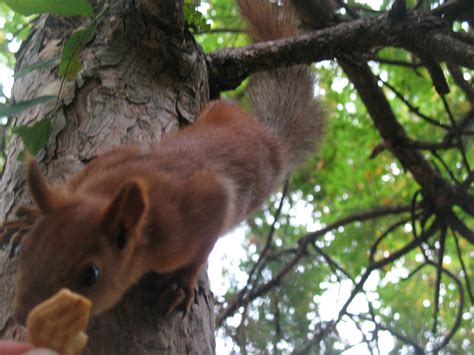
{"points": [[266, 21], [283, 99], [132, 211]]}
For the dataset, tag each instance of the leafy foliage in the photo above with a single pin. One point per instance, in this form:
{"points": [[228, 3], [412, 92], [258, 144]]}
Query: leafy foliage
{"points": [[14, 109], [70, 64], [59, 7], [195, 19], [14, 29], [36, 136], [42, 64]]}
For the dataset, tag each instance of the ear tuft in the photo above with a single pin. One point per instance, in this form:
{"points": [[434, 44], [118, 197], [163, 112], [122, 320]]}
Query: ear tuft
{"points": [[38, 186], [126, 210]]}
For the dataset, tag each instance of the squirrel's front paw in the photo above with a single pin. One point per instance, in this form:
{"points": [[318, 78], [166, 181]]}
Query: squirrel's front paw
{"points": [[178, 294]]}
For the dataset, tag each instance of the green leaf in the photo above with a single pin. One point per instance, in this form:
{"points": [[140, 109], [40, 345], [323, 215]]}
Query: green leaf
{"points": [[70, 63], [195, 20], [58, 7], [35, 137], [14, 109], [42, 64]]}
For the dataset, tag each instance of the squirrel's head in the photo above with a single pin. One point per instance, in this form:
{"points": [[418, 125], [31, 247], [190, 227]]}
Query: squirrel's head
{"points": [[86, 244]]}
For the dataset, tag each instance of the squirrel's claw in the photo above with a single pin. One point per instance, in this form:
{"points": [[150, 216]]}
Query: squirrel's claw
{"points": [[178, 295], [15, 230]]}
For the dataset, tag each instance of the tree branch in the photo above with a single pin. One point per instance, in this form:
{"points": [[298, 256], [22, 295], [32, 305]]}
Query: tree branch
{"points": [[458, 319], [464, 269], [395, 333], [381, 263], [241, 300], [416, 32], [457, 75]]}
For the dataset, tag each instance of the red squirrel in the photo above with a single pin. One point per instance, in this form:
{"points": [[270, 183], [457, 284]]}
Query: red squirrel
{"points": [[132, 211]]}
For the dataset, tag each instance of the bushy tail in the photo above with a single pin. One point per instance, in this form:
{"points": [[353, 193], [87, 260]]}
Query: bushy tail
{"points": [[282, 99]]}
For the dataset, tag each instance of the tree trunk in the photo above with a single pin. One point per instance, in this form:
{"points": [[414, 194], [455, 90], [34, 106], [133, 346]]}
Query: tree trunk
{"points": [[143, 76]]}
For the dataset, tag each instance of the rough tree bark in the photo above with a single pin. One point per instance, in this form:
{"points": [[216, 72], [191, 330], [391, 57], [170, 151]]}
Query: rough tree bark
{"points": [[143, 76]]}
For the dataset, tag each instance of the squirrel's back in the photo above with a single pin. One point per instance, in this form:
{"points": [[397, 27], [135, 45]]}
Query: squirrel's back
{"points": [[282, 99]]}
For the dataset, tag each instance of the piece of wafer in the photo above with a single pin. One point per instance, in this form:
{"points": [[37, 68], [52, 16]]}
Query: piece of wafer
{"points": [[59, 323]]}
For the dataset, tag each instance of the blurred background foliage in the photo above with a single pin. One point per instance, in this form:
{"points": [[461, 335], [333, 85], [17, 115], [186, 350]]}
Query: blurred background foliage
{"points": [[339, 180]]}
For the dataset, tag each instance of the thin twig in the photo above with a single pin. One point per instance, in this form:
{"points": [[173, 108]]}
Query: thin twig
{"points": [[220, 31], [457, 75], [412, 108], [395, 333], [399, 63], [389, 230], [246, 297], [381, 263], [463, 267], [439, 271], [446, 167], [271, 233], [456, 132], [458, 320]]}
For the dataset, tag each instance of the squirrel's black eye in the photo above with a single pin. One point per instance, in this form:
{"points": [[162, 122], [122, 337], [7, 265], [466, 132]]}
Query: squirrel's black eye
{"points": [[89, 276], [121, 237]]}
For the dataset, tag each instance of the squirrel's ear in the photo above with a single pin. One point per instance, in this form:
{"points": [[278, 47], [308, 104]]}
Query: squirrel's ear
{"points": [[206, 203], [38, 186], [125, 211]]}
